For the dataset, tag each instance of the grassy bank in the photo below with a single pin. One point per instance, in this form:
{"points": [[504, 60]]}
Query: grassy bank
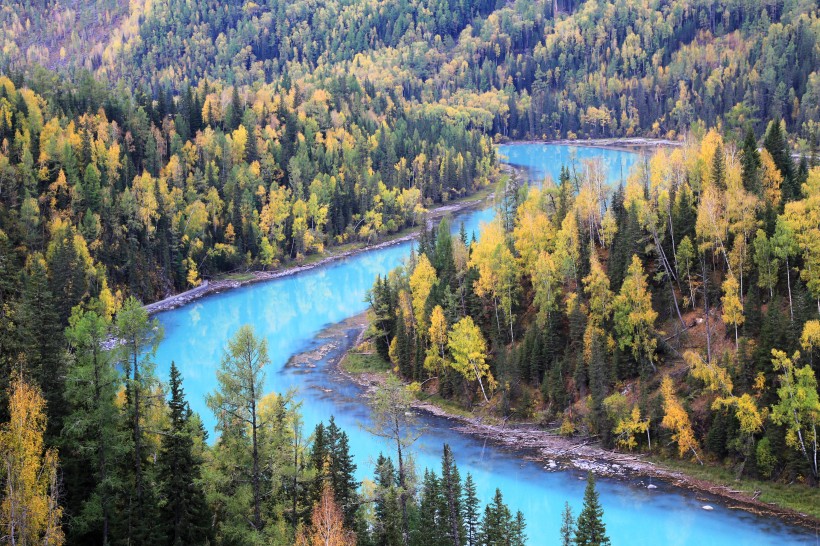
{"points": [[794, 496], [359, 362]]}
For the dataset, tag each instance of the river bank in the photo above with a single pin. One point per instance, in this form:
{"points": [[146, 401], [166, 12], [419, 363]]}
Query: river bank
{"points": [[560, 453], [208, 287], [480, 198], [629, 144]]}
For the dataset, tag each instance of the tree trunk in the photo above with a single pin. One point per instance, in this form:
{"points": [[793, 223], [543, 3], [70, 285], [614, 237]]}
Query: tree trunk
{"points": [[257, 515], [789, 285], [706, 310], [405, 530], [101, 451], [480, 384]]}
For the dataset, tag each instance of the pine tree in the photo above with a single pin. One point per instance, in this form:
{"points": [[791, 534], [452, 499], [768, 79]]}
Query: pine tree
{"points": [[497, 523], [591, 530], [241, 377], [140, 339], [518, 535], [750, 163], [469, 512], [93, 433], [342, 473], [567, 526], [39, 335], [184, 512], [775, 143], [451, 493], [388, 512], [430, 530], [719, 168]]}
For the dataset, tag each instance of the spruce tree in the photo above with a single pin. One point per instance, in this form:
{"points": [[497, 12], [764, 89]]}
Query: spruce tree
{"points": [[469, 512], [567, 526], [388, 528], [775, 142], [140, 339], [342, 473], [497, 524], [591, 530], [750, 163], [450, 487], [93, 438], [184, 512]]}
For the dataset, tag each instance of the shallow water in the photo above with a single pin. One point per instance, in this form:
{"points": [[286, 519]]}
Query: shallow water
{"points": [[291, 312]]}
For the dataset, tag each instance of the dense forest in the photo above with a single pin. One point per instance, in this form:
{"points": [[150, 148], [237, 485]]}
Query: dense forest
{"points": [[681, 308], [148, 145]]}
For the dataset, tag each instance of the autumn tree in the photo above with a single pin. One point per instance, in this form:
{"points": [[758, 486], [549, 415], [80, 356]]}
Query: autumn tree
{"points": [[634, 316], [422, 281], [469, 352], [327, 524], [497, 270], [676, 419], [29, 512], [732, 306], [798, 408]]}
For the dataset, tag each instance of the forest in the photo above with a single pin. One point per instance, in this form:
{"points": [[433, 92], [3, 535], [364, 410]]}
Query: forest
{"points": [[147, 146], [677, 312]]}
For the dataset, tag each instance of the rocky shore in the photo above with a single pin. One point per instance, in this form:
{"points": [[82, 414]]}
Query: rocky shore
{"points": [[557, 453]]}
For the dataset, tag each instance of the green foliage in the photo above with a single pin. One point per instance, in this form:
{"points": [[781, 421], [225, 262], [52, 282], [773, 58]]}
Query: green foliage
{"points": [[590, 529]]}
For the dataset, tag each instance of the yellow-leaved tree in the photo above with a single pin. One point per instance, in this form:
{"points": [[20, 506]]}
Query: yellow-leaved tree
{"points": [[634, 316], [676, 419], [326, 524], [469, 352], [422, 282], [29, 512], [434, 360], [497, 271], [732, 306]]}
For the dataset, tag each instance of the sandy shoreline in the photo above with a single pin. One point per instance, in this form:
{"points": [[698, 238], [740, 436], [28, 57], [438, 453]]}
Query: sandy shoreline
{"points": [[555, 452]]}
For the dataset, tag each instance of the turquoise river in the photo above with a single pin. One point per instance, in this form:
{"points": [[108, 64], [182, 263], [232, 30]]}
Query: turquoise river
{"points": [[291, 313]]}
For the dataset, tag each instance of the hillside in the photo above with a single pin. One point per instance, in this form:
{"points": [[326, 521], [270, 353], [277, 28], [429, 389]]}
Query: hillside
{"points": [[146, 146]]}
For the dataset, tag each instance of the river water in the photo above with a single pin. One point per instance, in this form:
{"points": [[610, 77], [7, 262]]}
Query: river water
{"points": [[293, 312]]}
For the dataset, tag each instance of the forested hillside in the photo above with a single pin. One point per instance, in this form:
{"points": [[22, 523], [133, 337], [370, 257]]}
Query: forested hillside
{"points": [[151, 144], [680, 309]]}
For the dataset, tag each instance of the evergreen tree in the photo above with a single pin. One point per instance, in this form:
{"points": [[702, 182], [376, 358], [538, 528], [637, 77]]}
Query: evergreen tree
{"points": [[776, 144], [750, 163], [140, 339], [38, 339], [92, 431], [469, 512], [591, 530], [184, 512], [451, 493], [567, 526], [241, 377], [387, 509], [497, 523], [342, 473]]}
